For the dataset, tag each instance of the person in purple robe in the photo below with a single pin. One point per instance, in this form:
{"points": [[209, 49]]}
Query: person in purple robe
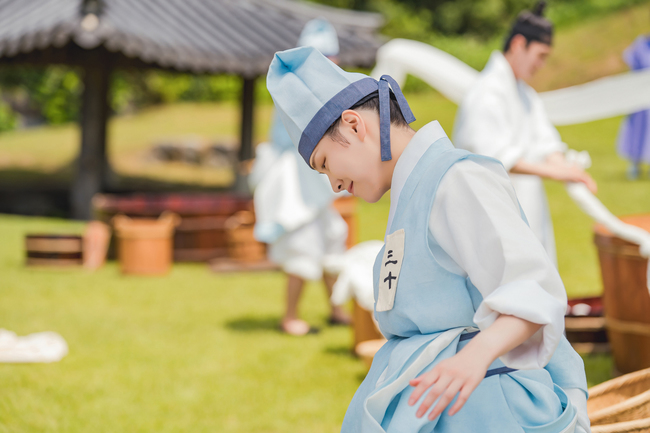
{"points": [[634, 136]]}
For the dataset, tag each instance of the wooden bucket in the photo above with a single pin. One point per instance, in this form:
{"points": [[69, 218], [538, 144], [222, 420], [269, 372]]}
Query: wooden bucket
{"points": [[144, 246], [347, 207], [625, 298], [366, 350], [626, 398], [54, 250], [242, 245]]}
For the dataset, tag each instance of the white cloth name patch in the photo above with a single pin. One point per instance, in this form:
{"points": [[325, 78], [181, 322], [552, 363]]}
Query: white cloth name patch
{"points": [[390, 269]]}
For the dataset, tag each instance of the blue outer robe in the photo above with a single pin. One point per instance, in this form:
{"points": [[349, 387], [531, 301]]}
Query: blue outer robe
{"points": [[433, 309]]}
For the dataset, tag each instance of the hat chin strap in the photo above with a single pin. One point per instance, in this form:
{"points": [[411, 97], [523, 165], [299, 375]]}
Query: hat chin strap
{"points": [[386, 82]]}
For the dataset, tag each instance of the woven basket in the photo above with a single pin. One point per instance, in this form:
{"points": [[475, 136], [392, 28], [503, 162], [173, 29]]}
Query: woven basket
{"points": [[637, 426], [625, 398]]}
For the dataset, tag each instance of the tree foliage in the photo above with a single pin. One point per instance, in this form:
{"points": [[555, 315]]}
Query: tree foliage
{"points": [[478, 18]]}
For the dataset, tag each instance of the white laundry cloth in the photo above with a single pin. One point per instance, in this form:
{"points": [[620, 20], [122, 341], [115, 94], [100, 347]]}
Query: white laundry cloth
{"points": [[354, 270], [38, 347], [599, 99]]}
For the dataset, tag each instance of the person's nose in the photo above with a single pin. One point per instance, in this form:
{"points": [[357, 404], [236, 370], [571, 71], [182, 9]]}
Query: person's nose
{"points": [[337, 184]]}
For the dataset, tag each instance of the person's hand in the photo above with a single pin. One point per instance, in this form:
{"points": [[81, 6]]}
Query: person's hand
{"points": [[556, 167], [564, 172], [463, 372], [458, 375]]}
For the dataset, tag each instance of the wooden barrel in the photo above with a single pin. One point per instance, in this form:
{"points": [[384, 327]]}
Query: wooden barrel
{"points": [[54, 250], [201, 234], [347, 207], [145, 245], [242, 245], [626, 299], [364, 327]]}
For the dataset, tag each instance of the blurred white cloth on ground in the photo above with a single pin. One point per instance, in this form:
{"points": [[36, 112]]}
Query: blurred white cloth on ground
{"points": [[38, 347], [354, 270], [599, 99]]}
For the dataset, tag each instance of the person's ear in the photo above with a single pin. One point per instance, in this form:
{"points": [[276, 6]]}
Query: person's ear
{"points": [[518, 42], [351, 120]]}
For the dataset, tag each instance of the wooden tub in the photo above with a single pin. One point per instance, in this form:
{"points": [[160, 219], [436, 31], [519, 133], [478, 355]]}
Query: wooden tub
{"points": [[626, 299]]}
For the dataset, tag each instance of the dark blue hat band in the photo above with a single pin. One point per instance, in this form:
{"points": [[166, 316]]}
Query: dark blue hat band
{"points": [[347, 98]]}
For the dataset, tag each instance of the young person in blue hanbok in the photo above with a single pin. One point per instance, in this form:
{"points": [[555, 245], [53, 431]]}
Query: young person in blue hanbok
{"points": [[634, 137], [471, 305], [293, 207]]}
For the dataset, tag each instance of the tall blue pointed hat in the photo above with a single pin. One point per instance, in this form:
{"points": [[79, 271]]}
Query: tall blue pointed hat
{"points": [[310, 93]]}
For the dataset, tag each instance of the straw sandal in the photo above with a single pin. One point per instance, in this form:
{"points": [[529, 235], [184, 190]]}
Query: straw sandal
{"points": [[297, 328]]}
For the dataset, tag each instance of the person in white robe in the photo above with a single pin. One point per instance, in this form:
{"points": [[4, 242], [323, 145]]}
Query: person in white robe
{"points": [[503, 117], [293, 207]]}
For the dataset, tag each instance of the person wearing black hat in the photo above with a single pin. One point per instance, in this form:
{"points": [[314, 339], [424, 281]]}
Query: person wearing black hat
{"points": [[503, 117]]}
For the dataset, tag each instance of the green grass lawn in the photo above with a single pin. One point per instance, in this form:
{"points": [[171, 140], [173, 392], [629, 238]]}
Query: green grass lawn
{"points": [[192, 351]]}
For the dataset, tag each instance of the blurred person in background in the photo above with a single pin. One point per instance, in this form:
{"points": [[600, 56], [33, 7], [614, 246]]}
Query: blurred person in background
{"points": [[503, 117], [634, 136], [293, 206]]}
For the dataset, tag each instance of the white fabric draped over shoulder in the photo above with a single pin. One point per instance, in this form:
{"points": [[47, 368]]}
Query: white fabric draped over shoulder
{"points": [[476, 221]]}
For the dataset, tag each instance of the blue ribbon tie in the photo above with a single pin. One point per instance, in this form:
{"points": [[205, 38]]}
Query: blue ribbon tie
{"points": [[386, 82]]}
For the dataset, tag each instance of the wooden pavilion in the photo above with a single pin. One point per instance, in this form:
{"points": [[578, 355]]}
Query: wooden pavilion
{"points": [[197, 36]]}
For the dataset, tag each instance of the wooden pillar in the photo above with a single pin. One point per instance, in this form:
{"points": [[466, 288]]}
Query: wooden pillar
{"points": [[92, 161], [246, 153], [248, 101]]}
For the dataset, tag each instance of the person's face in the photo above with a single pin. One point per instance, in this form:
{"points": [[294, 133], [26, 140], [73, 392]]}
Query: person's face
{"points": [[354, 166], [527, 59]]}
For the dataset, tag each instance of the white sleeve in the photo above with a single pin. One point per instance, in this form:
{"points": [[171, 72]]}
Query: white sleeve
{"points": [[475, 219]]}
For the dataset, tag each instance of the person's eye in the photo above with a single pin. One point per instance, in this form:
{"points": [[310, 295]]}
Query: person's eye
{"points": [[323, 166]]}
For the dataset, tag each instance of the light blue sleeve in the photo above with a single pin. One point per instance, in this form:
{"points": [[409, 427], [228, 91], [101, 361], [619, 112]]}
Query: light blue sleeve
{"points": [[567, 368]]}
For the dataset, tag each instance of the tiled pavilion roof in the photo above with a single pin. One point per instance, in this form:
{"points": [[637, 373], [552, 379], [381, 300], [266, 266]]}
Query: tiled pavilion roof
{"points": [[205, 36]]}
